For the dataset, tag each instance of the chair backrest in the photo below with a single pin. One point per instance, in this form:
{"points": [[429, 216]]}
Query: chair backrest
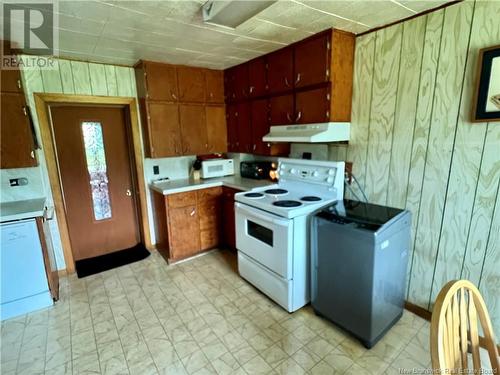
{"points": [[454, 329]]}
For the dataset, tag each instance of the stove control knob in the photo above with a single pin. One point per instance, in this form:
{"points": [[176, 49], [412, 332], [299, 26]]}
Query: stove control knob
{"points": [[331, 172], [315, 174], [293, 170], [329, 180]]}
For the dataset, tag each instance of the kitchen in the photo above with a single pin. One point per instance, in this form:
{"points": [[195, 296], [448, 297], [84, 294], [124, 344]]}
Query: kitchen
{"points": [[399, 157]]}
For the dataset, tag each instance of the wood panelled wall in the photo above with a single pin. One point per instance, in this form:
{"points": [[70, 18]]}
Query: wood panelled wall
{"points": [[413, 146]]}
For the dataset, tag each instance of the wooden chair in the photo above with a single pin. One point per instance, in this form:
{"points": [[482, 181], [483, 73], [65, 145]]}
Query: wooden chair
{"points": [[454, 329]]}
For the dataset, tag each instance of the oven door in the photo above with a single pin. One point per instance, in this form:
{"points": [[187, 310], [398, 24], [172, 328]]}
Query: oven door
{"points": [[265, 238]]}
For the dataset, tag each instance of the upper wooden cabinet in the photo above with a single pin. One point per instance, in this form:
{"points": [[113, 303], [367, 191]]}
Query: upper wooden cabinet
{"points": [[280, 70], [312, 106], [163, 135], [312, 61], [10, 81], [158, 81], [192, 86], [281, 110], [17, 142], [229, 84], [214, 81], [257, 77], [215, 117], [193, 129], [241, 88], [232, 127]]}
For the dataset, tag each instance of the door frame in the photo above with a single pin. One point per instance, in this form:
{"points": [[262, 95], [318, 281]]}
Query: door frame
{"points": [[43, 102]]}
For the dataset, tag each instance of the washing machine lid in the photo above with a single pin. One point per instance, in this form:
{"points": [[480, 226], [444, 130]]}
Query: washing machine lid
{"points": [[363, 213]]}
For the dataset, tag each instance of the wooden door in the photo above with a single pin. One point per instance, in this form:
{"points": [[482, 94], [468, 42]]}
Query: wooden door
{"points": [[184, 229], [260, 125], [96, 175], [164, 129], [280, 70], [257, 77], [193, 129], [17, 138], [312, 106], [312, 61], [281, 110], [215, 117], [214, 86], [229, 84], [232, 127], [241, 82], [161, 81], [191, 83], [244, 127]]}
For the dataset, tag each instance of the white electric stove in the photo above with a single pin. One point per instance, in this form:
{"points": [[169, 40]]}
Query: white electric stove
{"points": [[272, 227]]}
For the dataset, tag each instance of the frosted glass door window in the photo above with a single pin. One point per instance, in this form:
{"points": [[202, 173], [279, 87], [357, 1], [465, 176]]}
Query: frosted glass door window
{"points": [[96, 166]]}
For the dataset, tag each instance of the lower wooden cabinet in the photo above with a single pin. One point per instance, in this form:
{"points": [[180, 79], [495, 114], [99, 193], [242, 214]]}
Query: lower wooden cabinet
{"points": [[228, 225], [188, 223]]}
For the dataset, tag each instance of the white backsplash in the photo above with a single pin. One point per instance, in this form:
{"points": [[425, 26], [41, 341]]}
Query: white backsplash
{"points": [[34, 188]]}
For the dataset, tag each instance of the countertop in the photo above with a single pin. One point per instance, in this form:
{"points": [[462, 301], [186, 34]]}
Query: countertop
{"points": [[24, 209], [180, 186]]}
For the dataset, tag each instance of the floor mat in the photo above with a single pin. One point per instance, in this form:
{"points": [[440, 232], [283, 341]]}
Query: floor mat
{"points": [[91, 266]]}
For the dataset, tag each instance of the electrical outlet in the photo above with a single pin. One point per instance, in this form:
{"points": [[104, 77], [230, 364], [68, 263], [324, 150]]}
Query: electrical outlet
{"points": [[21, 181], [156, 169]]}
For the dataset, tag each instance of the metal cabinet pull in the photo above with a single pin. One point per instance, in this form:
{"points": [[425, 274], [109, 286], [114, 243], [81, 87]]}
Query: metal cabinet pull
{"points": [[192, 212], [288, 117], [32, 154], [298, 78], [173, 95], [128, 192], [299, 115], [254, 147], [252, 88], [286, 82], [18, 83]]}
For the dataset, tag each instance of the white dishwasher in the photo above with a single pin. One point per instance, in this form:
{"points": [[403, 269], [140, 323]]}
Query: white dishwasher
{"points": [[24, 286]]}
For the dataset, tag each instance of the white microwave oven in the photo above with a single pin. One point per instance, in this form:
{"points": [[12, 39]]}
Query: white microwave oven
{"points": [[217, 168]]}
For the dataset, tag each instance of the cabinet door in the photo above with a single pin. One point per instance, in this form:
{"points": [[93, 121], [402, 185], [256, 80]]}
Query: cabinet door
{"points": [[216, 128], [312, 61], [191, 84], [184, 229], [281, 110], [193, 129], [257, 77], [209, 209], [232, 127], [260, 124], [229, 84], [244, 127], [164, 129], [214, 83], [312, 106], [10, 81], [227, 218], [16, 137], [280, 70], [161, 81], [241, 82]]}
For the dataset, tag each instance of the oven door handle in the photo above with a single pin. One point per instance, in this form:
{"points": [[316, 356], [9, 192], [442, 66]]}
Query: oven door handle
{"points": [[248, 211]]}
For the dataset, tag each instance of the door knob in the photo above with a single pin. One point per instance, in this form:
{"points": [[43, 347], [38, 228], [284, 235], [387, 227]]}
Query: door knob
{"points": [[128, 192]]}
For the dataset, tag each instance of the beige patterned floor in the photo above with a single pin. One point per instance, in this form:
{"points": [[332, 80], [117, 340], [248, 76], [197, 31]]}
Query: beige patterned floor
{"points": [[197, 317]]}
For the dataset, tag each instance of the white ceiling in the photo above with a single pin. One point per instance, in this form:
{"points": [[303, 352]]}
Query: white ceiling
{"points": [[122, 32]]}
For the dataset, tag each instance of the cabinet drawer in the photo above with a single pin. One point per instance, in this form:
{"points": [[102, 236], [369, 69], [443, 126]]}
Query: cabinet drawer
{"points": [[208, 194], [181, 199]]}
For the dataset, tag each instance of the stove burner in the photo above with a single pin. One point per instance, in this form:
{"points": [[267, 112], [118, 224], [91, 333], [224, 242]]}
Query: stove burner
{"points": [[310, 198], [276, 191], [254, 195], [287, 204]]}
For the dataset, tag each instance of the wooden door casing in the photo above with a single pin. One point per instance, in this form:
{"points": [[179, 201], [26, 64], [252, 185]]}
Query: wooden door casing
{"points": [[312, 61], [16, 142], [312, 106], [215, 117], [161, 81], [281, 109], [280, 70], [214, 83], [257, 77], [193, 129], [89, 236], [191, 83], [164, 129]]}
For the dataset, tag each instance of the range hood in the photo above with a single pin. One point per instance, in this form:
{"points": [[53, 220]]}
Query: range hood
{"points": [[309, 133]]}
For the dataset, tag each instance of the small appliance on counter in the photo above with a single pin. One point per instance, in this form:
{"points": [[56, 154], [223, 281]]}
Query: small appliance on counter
{"points": [[258, 170], [216, 168], [359, 256]]}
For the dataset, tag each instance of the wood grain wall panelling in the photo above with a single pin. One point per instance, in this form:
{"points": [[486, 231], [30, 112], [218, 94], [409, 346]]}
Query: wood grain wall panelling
{"points": [[466, 162], [383, 104], [111, 85], [361, 99], [406, 107], [81, 77], [52, 79], [66, 74], [425, 94], [123, 81], [443, 168], [98, 79]]}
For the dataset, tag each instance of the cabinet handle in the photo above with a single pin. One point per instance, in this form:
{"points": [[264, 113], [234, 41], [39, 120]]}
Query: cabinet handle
{"points": [[327, 114], [206, 146], [252, 88], [32, 154], [18, 83], [268, 145], [173, 96], [287, 84], [192, 212], [298, 78], [299, 115], [254, 147], [288, 117]]}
